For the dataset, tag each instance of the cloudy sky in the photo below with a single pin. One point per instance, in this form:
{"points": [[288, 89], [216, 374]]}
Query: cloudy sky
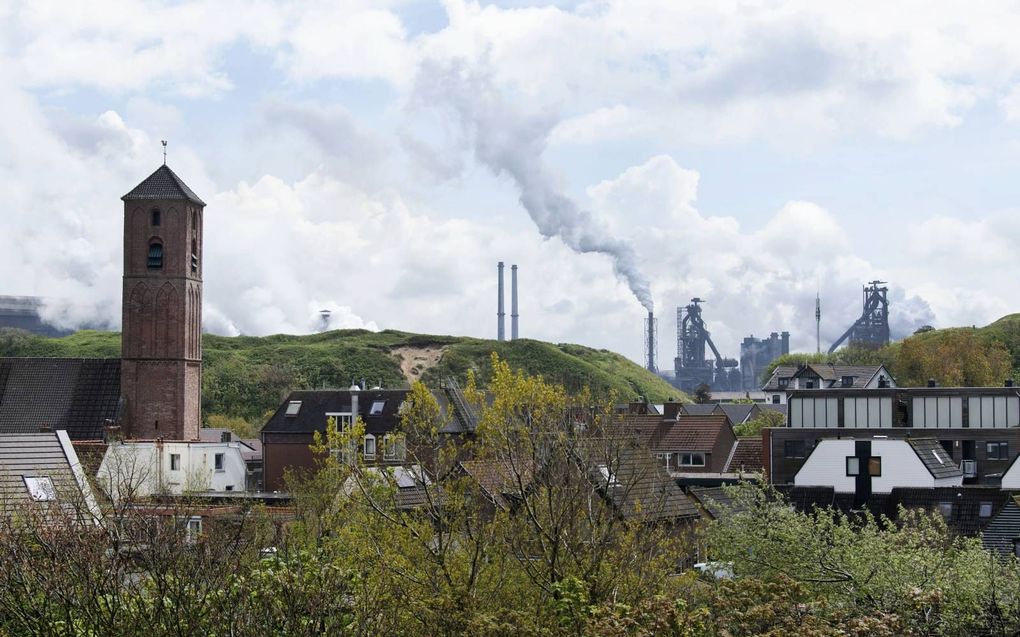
{"points": [[378, 158]]}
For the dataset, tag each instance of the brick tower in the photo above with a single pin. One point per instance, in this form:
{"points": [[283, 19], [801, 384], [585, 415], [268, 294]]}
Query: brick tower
{"points": [[161, 339]]}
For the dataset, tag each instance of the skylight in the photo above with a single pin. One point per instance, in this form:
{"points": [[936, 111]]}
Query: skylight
{"points": [[40, 488], [377, 408], [938, 458], [293, 407]]}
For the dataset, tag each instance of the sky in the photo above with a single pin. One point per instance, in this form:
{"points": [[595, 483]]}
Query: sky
{"points": [[377, 159]]}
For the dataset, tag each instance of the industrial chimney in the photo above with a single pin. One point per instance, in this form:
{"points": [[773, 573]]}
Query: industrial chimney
{"points": [[651, 338], [513, 303], [500, 311]]}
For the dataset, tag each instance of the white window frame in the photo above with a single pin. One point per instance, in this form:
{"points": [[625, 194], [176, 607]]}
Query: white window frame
{"points": [[175, 462], [369, 438], [293, 408], [392, 446], [219, 462], [377, 408]]}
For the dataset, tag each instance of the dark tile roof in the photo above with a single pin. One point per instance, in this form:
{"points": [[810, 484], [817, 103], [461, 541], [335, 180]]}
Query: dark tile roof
{"points": [[1002, 529], [862, 374], [935, 458], [715, 500], [39, 455], [163, 184], [746, 456], [315, 404], [736, 412], [696, 409], [498, 480], [642, 489], [688, 433], [963, 515], [782, 371], [75, 394]]}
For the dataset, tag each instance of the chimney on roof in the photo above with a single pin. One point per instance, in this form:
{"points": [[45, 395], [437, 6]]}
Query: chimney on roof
{"points": [[932, 383], [354, 401]]}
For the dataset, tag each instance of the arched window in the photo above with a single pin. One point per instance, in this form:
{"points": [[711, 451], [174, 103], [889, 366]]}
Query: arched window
{"points": [[194, 255], [155, 256], [156, 217]]}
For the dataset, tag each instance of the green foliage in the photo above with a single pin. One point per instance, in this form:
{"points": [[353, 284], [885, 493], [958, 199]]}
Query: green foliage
{"points": [[752, 428]]}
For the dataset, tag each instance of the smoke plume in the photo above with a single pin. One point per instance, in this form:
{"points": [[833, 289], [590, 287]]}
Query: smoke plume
{"points": [[511, 142]]}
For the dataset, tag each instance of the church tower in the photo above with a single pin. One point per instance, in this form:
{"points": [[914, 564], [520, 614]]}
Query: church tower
{"points": [[161, 339]]}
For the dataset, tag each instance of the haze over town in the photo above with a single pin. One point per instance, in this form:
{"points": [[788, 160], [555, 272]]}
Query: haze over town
{"points": [[377, 159]]}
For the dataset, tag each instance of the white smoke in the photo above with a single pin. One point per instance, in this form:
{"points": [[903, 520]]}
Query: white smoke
{"points": [[511, 142]]}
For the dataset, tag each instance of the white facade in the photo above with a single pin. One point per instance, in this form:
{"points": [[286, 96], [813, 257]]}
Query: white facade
{"points": [[143, 468], [900, 467], [1011, 478]]}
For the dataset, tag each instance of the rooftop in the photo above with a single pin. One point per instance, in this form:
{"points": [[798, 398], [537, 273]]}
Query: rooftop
{"points": [[163, 184]]}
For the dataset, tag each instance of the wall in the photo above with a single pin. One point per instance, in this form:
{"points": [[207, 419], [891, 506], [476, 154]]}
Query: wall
{"points": [[826, 466], [143, 468]]}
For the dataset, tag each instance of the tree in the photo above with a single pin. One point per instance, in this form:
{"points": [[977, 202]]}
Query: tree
{"points": [[702, 394], [752, 428]]}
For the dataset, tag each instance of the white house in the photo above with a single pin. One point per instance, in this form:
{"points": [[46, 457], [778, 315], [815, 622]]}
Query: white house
{"points": [[878, 465], [1011, 477], [139, 468], [824, 376]]}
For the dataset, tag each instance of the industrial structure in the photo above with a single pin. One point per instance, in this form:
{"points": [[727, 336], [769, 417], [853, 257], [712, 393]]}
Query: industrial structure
{"points": [[651, 342], [756, 354], [501, 307], [871, 330], [691, 368]]}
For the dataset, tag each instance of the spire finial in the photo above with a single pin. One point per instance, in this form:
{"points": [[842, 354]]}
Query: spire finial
{"points": [[164, 151]]}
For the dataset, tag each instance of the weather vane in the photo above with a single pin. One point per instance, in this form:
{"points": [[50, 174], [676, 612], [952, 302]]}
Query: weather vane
{"points": [[164, 151]]}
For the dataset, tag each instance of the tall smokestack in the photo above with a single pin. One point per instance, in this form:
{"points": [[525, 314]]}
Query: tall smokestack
{"points": [[513, 302], [818, 323], [500, 310], [650, 342]]}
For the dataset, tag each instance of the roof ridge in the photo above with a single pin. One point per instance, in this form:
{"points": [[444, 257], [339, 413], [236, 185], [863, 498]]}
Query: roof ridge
{"points": [[163, 183]]}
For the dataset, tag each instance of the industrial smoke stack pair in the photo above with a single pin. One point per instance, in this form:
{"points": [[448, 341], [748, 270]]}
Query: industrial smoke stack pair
{"points": [[501, 311]]}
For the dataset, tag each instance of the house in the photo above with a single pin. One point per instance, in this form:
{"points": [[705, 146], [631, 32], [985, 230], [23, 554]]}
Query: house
{"points": [[978, 427], [40, 473], [142, 468], [877, 465], [824, 376], [251, 451], [689, 444], [80, 396]]}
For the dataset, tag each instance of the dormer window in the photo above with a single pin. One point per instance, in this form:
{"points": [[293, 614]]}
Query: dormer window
{"points": [[848, 381], [783, 382], [156, 217], [155, 261]]}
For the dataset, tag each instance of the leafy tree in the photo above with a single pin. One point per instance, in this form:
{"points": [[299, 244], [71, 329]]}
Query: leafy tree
{"points": [[752, 428], [702, 394]]}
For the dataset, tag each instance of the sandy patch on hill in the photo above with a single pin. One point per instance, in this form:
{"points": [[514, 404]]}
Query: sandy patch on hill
{"points": [[414, 361]]}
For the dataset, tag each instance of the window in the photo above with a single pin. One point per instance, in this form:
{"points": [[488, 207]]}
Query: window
{"points": [[775, 399], [853, 466], [194, 219], [997, 450], [377, 408], [847, 381], [155, 255], [293, 407], [608, 476], [985, 510], [229, 487], [175, 462], [369, 447], [946, 509], [692, 460], [393, 447], [218, 462], [793, 448], [783, 382], [875, 467], [809, 384], [194, 255], [40, 488], [155, 217], [192, 529]]}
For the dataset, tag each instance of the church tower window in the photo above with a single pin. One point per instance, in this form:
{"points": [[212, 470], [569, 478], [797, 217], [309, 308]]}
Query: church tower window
{"points": [[194, 255], [155, 256], [156, 217]]}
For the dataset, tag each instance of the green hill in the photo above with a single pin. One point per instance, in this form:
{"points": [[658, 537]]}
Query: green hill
{"points": [[244, 377]]}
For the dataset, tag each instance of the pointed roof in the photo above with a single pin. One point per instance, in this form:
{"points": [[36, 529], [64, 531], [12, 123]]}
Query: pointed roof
{"points": [[163, 184]]}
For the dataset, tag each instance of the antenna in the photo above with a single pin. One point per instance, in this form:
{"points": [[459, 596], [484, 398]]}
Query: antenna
{"points": [[164, 151], [818, 321]]}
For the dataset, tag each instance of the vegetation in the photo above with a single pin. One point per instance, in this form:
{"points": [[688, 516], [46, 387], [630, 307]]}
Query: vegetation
{"points": [[543, 554], [752, 428], [247, 377], [962, 356]]}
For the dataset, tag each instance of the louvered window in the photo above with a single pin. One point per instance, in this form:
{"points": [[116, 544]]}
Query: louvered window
{"points": [[155, 256]]}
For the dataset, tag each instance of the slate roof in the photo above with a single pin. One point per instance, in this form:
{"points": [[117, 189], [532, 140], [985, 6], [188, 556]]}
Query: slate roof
{"points": [[74, 394], [1003, 528], [935, 458], [715, 500], [163, 184], [964, 515], [42, 456], [696, 409], [862, 374], [644, 490], [315, 404], [782, 371], [497, 479], [746, 456], [736, 412]]}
